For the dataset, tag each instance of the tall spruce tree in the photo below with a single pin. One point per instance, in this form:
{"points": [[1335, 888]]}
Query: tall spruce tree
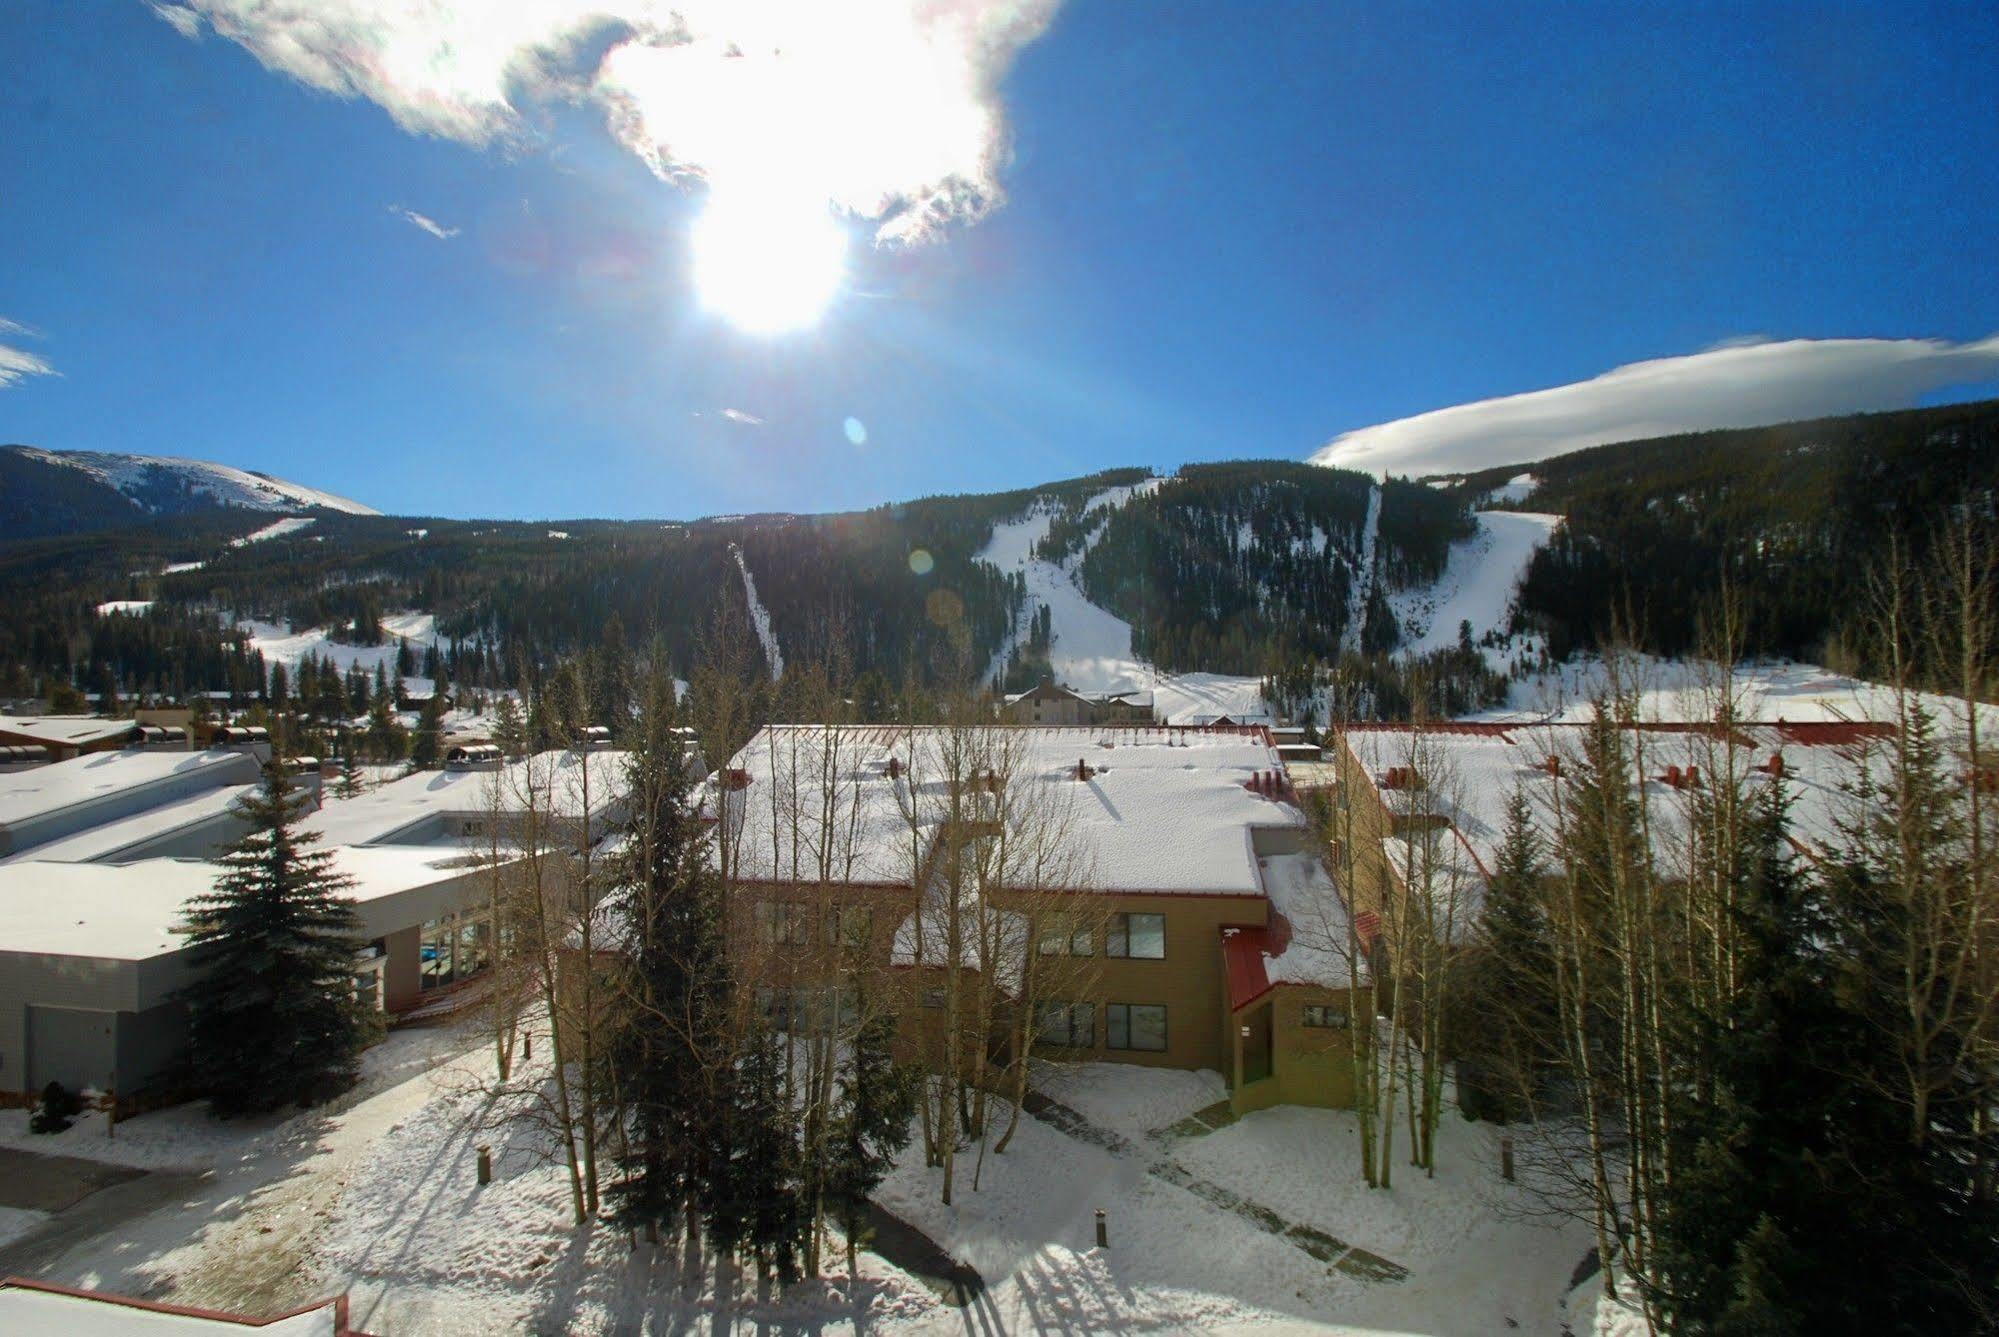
{"points": [[754, 1202], [672, 1047], [1751, 1218], [1512, 1016], [877, 1101], [272, 1016]]}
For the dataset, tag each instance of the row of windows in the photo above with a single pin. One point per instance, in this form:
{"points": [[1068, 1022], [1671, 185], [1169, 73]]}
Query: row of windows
{"points": [[1135, 1026], [453, 947], [1135, 937], [805, 1009], [789, 924]]}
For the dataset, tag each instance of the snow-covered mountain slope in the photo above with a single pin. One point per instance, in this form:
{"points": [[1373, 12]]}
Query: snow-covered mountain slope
{"points": [[1091, 647], [166, 485], [1478, 585], [759, 615]]}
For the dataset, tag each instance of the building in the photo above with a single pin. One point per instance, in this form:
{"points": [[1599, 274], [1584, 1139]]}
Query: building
{"points": [[41, 1307], [1173, 910], [67, 736], [106, 851], [1051, 705], [50, 803]]}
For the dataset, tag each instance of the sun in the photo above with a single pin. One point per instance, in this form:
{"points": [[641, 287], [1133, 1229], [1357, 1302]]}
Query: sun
{"points": [[767, 265]]}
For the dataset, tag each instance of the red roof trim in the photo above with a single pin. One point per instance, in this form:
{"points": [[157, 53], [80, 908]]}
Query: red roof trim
{"points": [[338, 1302]]}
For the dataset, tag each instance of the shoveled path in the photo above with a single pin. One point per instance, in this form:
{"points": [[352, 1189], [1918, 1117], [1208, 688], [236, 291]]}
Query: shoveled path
{"points": [[1337, 1253]]}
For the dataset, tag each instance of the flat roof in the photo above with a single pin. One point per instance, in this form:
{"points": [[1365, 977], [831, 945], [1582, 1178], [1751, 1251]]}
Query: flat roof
{"points": [[132, 911], [105, 840], [30, 1306], [1162, 811], [67, 730], [381, 813], [25, 795]]}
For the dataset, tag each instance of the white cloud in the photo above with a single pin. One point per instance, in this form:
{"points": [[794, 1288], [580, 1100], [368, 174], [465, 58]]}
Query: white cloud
{"points": [[884, 109], [430, 225], [747, 419], [1739, 383], [17, 364], [185, 21]]}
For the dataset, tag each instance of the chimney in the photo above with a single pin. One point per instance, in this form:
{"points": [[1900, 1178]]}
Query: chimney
{"points": [[895, 768]]}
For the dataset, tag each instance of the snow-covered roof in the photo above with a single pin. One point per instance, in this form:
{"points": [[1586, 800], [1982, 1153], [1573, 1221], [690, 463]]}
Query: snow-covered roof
{"points": [[47, 789], [1470, 772], [923, 939], [1317, 949], [130, 912], [1161, 810], [27, 1306], [102, 843], [65, 730], [380, 815]]}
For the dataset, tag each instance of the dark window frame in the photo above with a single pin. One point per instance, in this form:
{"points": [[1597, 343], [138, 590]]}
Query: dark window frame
{"points": [[1165, 1032], [1117, 935]]}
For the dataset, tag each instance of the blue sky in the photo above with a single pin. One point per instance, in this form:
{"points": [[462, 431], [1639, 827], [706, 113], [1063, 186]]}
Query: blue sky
{"points": [[1228, 230]]}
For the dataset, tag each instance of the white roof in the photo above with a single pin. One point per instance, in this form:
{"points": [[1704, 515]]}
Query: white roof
{"points": [[46, 789], [1471, 775], [1302, 891], [102, 842], [67, 730], [131, 912], [1163, 811], [27, 1309], [380, 814]]}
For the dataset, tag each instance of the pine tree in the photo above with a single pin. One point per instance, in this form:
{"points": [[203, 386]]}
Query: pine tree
{"points": [[758, 1189], [673, 1045], [877, 1101], [428, 748], [350, 774], [510, 730], [272, 1016], [1512, 974]]}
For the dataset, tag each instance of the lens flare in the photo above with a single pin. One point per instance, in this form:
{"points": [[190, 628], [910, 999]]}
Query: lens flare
{"points": [[921, 562]]}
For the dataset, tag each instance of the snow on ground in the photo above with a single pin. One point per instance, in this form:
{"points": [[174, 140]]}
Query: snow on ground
{"points": [[175, 568], [282, 644], [135, 607], [1361, 589], [1671, 689], [1092, 646], [1178, 1263], [378, 1197], [1479, 582], [760, 617], [291, 524], [1518, 488], [1126, 1098]]}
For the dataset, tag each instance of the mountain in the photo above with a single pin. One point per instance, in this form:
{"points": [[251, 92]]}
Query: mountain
{"points": [[45, 492], [1246, 568]]}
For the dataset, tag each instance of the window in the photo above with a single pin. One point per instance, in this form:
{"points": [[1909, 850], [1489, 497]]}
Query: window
{"points": [[783, 924], [1061, 935], [933, 998], [1072, 1025], [1135, 1026], [1137, 937], [1320, 1015], [452, 947], [475, 828], [850, 926], [368, 979]]}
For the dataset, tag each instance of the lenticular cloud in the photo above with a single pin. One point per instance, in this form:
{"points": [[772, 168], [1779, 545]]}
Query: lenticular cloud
{"points": [[884, 109], [1739, 384]]}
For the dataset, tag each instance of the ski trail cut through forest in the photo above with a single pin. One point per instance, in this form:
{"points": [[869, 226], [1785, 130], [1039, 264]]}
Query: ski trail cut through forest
{"points": [[760, 617], [1090, 647], [1361, 592]]}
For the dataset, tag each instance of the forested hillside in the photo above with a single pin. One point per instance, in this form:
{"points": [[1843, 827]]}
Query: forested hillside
{"points": [[1231, 561], [1251, 567], [1795, 518]]}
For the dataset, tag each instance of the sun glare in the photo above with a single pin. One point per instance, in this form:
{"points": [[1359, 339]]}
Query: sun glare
{"points": [[767, 266]]}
